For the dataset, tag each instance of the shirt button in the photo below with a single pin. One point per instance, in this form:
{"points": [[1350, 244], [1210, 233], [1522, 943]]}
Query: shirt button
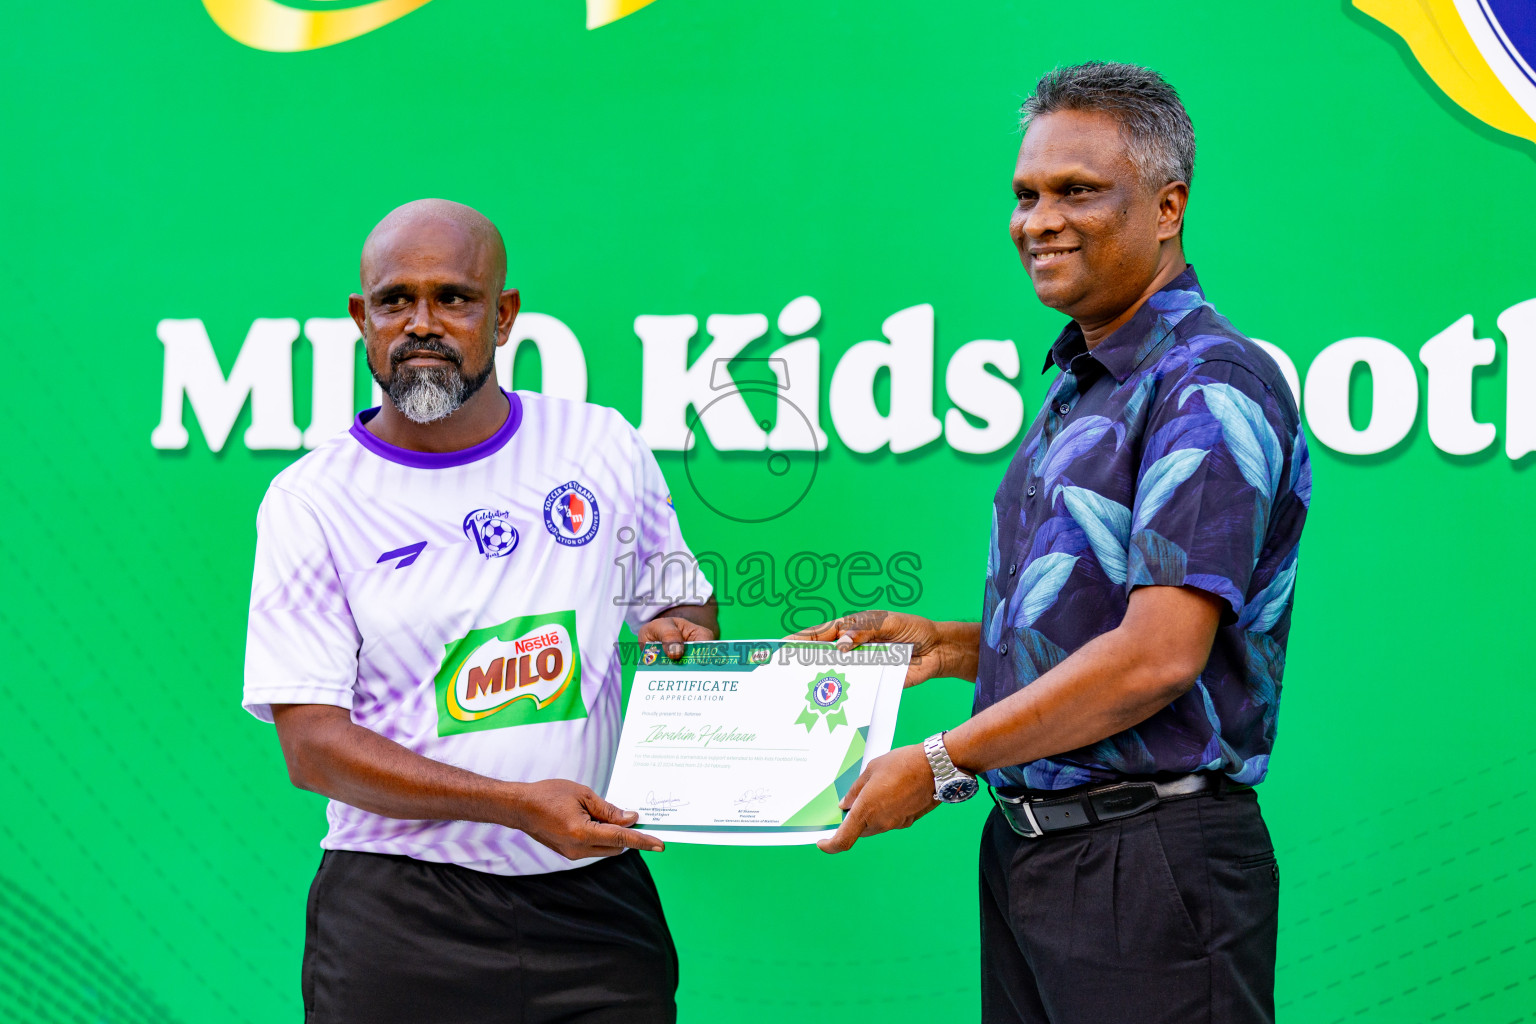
{"points": [[1031, 491], [1013, 568], [1002, 648], [1063, 408]]}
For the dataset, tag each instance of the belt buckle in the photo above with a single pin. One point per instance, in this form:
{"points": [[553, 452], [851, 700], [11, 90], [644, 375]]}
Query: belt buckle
{"points": [[1015, 803]]}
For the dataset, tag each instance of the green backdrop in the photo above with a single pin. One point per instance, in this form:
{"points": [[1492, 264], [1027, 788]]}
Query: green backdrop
{"points": [[702, 156]]}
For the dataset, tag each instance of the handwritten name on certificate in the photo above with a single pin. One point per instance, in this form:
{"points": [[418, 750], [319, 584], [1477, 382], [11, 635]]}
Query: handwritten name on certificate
{"points": [[753, 742]]}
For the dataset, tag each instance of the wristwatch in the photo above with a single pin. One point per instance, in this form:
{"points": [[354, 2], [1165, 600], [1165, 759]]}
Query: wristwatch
{"points": [[950, 784]]}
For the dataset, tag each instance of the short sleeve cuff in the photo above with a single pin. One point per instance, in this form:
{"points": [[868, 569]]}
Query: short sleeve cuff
{"points": [[259, 700], [699, 595], [1156, 562]]}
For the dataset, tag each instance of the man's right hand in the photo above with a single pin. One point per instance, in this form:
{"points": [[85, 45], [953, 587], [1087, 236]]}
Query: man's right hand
{"points": [[929, 655], [575, 822]]}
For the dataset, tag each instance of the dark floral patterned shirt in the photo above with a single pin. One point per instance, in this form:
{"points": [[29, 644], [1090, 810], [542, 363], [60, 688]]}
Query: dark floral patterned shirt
{"points": [[1170, 455]]}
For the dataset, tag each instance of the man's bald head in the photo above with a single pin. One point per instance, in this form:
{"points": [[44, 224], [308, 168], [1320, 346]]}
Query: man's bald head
{"points": [[433, 307], [444, 227]]}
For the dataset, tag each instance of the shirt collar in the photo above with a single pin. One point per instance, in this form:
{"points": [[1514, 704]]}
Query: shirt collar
{"points": [[439, 460], [1135, 340]]}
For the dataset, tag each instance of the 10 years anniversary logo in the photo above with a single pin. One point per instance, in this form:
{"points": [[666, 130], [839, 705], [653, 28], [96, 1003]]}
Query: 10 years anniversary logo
{"points": [[298, 25]]}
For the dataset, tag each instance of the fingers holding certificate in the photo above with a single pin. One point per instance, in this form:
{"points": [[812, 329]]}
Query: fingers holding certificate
{"points": [[756, 742]]}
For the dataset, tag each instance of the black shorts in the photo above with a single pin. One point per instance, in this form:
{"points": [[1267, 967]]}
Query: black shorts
{"points": [[392, 939]]}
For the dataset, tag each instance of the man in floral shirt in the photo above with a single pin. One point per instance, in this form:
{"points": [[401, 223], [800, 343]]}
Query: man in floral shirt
{"points": [[1137, 603]]}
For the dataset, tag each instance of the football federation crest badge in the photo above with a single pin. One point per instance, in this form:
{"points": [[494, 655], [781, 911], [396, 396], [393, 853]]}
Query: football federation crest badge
{"points": [[571, 515], [824, 698], [492, 532]]}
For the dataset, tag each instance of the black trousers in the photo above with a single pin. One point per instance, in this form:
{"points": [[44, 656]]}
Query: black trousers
{"points": [[392, 939], [1168, 916]]}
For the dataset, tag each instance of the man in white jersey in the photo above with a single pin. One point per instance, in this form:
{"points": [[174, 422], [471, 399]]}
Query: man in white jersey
{"points": [[437, 599]]}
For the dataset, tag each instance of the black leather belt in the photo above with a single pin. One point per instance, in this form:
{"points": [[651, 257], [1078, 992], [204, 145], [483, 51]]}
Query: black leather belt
{"points": [[1032, 813]]}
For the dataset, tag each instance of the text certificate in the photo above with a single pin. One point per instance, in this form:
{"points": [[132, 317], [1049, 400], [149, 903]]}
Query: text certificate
{"points": [[753, 742]]}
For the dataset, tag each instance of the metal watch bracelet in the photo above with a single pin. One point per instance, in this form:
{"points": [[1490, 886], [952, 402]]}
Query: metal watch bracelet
{"points": [[950, 784]]}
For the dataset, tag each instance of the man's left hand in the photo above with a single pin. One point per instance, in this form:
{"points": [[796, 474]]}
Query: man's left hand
{"points": [[672, 632], [893, 792]]}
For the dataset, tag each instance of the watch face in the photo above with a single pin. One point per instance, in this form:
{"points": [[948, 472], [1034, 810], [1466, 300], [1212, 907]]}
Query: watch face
{"points": [[956, 790]]}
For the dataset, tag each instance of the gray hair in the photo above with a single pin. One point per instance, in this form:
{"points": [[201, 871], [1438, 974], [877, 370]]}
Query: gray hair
{"points": [[1153, 121]]}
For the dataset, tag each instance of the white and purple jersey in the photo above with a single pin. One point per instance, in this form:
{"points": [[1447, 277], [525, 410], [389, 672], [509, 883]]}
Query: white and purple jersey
{"points": [[466, 605]]}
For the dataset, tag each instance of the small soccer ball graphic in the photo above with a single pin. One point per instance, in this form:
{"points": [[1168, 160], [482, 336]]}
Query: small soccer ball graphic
{"points": [[498, 537]]}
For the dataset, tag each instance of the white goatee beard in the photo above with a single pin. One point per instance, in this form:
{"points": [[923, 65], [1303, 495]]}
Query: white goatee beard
{"points": [[428, 395]]}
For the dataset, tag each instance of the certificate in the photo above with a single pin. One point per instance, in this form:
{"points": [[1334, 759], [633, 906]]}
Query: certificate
{"points": [[753, 742]]}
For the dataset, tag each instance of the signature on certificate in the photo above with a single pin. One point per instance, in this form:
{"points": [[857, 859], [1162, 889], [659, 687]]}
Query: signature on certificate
{"points": [[652, 800], [753, 797]]}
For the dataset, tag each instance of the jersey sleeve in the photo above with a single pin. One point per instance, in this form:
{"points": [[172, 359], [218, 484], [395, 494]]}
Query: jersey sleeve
{"points": [[301, 642], [667, 572], [1211, 473]]}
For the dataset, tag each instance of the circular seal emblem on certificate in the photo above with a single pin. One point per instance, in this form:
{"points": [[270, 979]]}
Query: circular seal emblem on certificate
{"points": [[828, 691], [824, 698]]}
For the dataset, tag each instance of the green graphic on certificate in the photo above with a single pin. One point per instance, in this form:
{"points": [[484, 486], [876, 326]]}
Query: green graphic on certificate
{"points": [[732, 746], [824, 699], [823, 811]]}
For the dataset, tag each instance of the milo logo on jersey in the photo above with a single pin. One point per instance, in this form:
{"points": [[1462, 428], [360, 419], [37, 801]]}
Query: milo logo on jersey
{"points": [[523, 671]]}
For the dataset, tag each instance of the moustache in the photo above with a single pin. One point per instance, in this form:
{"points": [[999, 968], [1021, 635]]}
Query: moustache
{"points": [[426, 345]]}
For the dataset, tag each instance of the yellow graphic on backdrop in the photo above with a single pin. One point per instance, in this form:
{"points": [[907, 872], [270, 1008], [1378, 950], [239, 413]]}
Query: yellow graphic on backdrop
{"points": [[270, 25], [1463, 48]]}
